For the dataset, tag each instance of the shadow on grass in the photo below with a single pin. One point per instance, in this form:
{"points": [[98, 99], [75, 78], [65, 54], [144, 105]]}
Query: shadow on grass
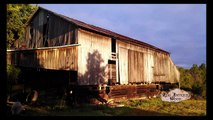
{"points": [[127, 111], [91, 110]]}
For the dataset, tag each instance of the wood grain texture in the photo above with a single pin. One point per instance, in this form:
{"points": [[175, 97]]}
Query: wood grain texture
{"points": [[57, 58]]}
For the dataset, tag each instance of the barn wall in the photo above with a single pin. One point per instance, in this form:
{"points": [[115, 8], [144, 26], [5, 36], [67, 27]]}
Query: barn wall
{"points": [[56, 33], [93, 55], [164, 69], [123, 65], [53, 58], [153, 66], [174, 75], [149, 65], [135, 66]]}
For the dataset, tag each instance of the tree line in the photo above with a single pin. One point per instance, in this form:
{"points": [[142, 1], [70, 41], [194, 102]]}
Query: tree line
{"points": [[194, 79]]}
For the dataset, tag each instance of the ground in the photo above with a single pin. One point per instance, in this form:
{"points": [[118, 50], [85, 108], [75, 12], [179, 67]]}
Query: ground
{"points": [[143, 107]]}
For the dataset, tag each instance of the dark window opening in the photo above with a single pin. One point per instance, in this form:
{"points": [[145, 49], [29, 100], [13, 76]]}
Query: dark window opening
{"points": [[113, 45], [74, 37], [44, 35], [31, 33], [31, 39], [45, 32]]}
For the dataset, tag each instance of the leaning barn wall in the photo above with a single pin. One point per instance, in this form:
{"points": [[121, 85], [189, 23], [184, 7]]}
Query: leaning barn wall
{"points": [[141, 64]]}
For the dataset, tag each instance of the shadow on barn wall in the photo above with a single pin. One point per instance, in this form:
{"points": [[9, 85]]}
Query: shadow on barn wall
{"points": [[95, 73]]}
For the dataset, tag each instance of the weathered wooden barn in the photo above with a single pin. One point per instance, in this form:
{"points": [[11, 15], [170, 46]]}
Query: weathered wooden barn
{"points": [[82, 55]]}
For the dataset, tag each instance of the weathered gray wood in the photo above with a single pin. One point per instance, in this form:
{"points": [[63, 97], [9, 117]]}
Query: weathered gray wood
{"points": [[135, 66], [157, 66], [53, 58], [58, 31], [123, 65]]}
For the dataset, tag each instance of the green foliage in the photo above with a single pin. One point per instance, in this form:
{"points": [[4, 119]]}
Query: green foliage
{"points": [[12, 76], [17, 16], [194, 79], [13, 73], [186, 79]]}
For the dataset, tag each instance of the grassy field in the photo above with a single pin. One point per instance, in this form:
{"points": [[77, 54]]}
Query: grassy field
{"points": [[183, 108], [147, 107]]}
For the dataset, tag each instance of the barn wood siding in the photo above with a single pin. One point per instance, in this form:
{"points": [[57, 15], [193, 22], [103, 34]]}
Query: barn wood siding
{"points": [[60, 32], [174, 75], [157, 66], [135, 66], [64, 58], [161, 66], [112, 73], [149, 65], [123, 65], [144, 73], [93, 56], [119, 92], [165, 70]]}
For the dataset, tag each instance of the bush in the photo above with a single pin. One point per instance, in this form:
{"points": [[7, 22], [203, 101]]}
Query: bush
{"points": [[12, 76], [197, 89]]}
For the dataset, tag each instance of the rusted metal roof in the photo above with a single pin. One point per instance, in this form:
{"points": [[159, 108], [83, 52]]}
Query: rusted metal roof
{"points": [[103, 31]]}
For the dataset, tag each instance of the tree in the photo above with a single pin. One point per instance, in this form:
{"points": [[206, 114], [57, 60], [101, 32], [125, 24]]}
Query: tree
{"points": [[195, 72], [202, 69], [186, 79], [194, 79], [197, 87], [17, 16]]}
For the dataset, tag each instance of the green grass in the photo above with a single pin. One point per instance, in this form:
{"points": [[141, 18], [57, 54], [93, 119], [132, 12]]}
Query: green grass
{"points": [[183, 108], [148, 107]]}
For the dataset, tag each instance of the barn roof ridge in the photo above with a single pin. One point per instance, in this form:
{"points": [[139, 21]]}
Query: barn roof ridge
{"points": [[99, 30]]}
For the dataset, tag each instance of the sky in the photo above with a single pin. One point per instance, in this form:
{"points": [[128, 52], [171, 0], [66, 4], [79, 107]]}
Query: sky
{"points": [[177, 28]]}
